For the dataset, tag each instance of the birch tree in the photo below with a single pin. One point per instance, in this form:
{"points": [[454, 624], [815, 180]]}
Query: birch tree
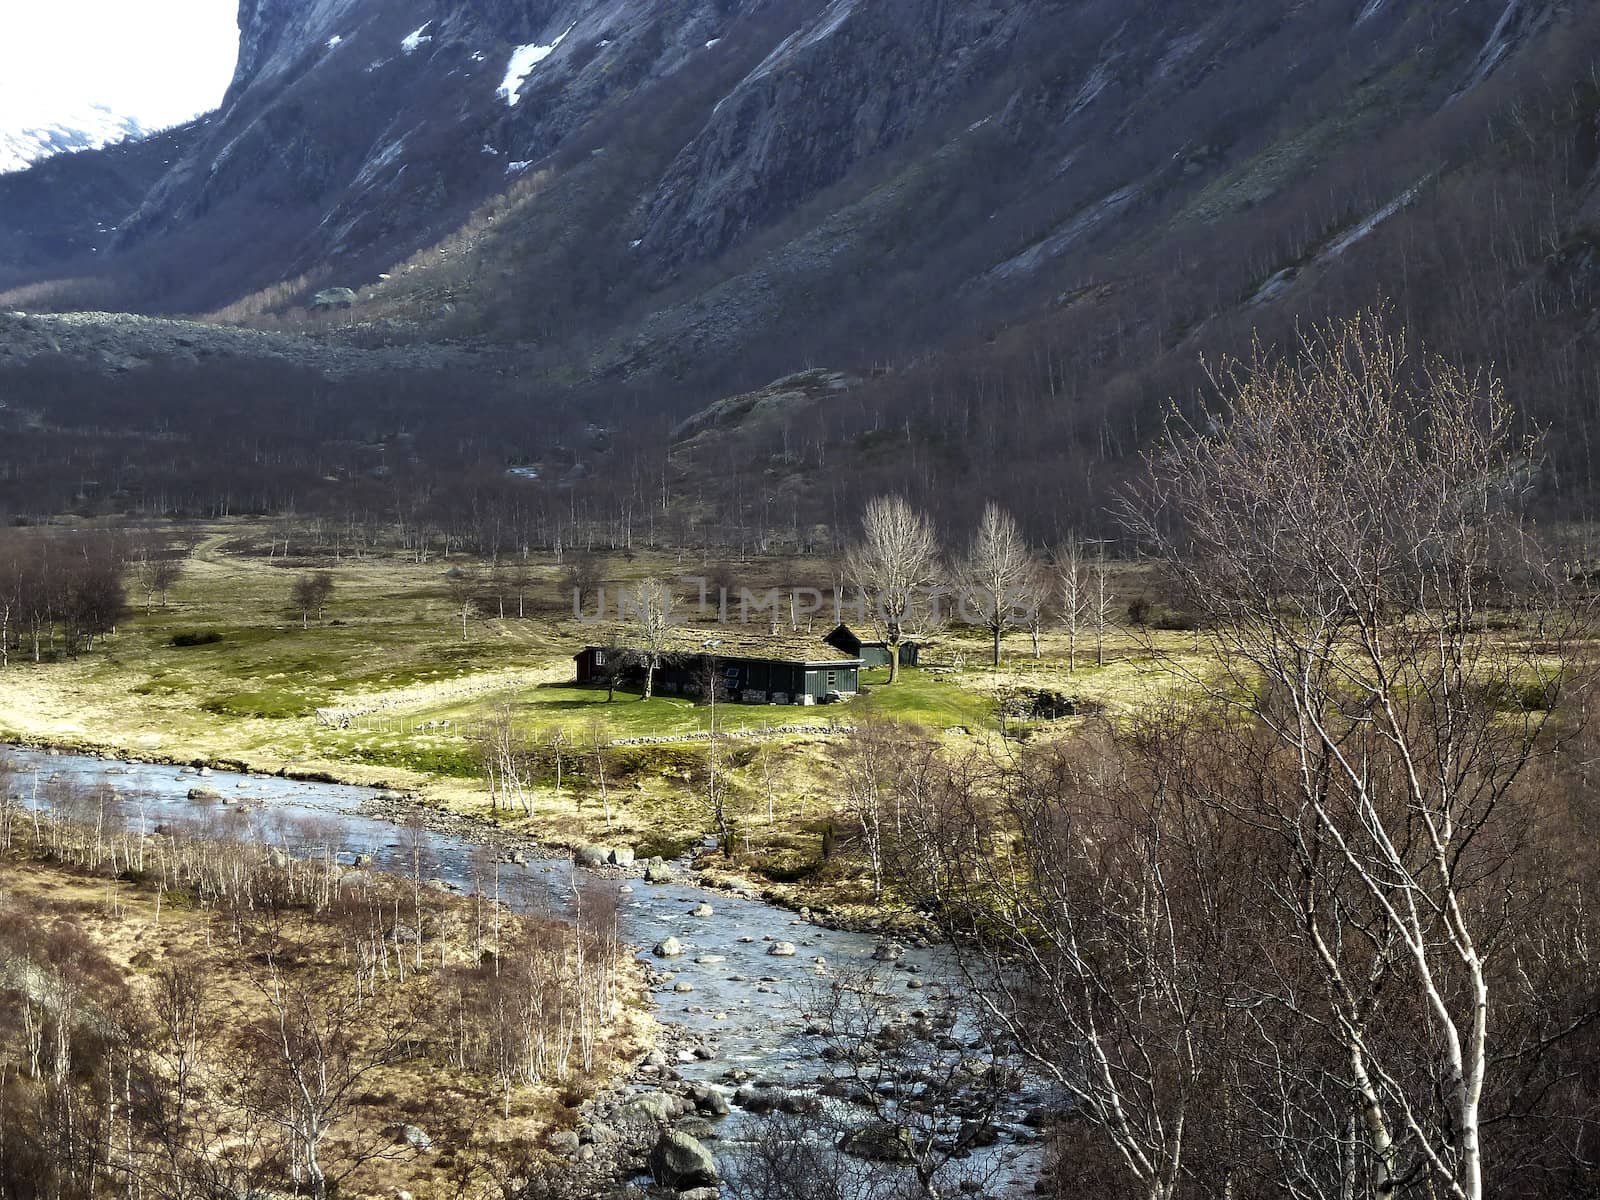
{"points": [[997, 571], [895, 566], [1101, 599], [648, 611], [1072, 578], [1347, 526]]}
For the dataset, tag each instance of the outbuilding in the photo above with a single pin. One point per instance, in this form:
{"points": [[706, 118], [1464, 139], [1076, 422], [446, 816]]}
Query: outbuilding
{"points": [[871, 653]]}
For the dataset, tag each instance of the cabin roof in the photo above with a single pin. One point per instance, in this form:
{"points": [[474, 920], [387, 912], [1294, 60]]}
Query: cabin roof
{"points": [[734, 643]]}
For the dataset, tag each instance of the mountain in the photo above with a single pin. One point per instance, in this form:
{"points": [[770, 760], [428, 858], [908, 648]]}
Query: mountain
{"points": [[1019, 223], [95, 126]]}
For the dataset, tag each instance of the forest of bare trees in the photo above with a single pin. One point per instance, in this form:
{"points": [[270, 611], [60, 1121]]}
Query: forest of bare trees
{"points": [[1319, 926], [278, 1042], [58, 593]]}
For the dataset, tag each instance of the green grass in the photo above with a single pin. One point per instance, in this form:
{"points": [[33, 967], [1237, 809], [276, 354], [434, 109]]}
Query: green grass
{"points": [[270, 704], [919, 698]]}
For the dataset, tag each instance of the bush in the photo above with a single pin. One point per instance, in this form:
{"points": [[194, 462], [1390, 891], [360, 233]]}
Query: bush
{"points": [[202, 637]]}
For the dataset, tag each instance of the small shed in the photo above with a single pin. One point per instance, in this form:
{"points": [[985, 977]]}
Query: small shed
{"points": [[871, 653]]}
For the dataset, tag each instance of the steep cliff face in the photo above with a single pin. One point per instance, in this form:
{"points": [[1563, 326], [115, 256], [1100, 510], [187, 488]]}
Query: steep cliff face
{"points": [[704, 171]]}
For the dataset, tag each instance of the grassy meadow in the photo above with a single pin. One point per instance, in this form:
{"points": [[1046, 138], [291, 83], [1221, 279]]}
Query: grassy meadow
{"points": [[226, 672]]}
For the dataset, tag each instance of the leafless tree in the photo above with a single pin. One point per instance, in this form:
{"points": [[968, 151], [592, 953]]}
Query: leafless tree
{"points": [[503, 756], [583, 577], [598, 737], [718, 798], [648, 610], [462, 586], [866, 770], [1091, 914], [997, 573], [312, 591], [1347, 527], [1101, 602], [1072, 580], [308, 1059], [895, 566]]}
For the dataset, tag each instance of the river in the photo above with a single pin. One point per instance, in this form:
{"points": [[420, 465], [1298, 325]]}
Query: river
{"points": [[747, 1007]]}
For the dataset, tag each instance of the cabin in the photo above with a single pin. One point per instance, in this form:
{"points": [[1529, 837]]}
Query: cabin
{"points": [[745, 674], [871, 653]]}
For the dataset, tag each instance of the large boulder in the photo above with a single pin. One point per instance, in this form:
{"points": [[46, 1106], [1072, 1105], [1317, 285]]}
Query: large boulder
{"points": [[622, 856], [593, 856], [781, 950], [679, 1161], [652, 1106], [204, 793], [656, 871], [710, 1100], [668, 948], [337, 297]]}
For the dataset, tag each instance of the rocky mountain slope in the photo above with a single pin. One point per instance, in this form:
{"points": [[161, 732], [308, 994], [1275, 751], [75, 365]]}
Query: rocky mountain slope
{"points": [[1038, 212], [671, 146]]}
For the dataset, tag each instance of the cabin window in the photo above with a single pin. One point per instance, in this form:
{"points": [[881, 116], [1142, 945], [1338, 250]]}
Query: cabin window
{"points": [[833, 681], [599, 658]]}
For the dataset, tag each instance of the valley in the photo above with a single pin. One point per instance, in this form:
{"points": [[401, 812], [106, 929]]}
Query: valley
{"points": [[803, 600]]}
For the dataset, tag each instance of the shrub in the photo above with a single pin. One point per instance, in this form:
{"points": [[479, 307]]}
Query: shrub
{"points": [[201, 637]]}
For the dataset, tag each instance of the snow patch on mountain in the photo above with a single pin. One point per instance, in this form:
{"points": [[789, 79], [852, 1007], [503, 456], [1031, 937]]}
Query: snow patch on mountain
{"points": [[523, 60], [417, 37], [87, 129]]}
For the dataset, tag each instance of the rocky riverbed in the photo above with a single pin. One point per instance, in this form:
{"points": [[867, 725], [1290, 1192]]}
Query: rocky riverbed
{"points": [[741, 988]]}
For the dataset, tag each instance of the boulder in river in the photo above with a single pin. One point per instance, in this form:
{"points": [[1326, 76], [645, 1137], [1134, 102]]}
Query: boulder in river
{"points": [[679, 1161], [668, 948], [593, 856], [204, 793], [622, 856], [702, 910], [781, 950], [710, 1100], [656, 871]]}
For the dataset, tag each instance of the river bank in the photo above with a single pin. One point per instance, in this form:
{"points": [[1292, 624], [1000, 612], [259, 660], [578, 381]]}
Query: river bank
{"points": [[399, 800], [734, 982]]}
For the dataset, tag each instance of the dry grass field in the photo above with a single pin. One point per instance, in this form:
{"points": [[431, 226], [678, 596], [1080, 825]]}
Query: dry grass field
{"points": [[227, 672]]}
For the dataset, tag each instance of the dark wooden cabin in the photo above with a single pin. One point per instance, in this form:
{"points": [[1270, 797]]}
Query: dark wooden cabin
{"points": [[742, 678], [871, 653]]}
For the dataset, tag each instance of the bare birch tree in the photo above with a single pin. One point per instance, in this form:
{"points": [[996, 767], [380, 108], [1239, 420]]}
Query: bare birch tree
{"points": [[895, 567], [1072, 578], [1101, 600], [1347, 526], [647, 607], [996, 573]]}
